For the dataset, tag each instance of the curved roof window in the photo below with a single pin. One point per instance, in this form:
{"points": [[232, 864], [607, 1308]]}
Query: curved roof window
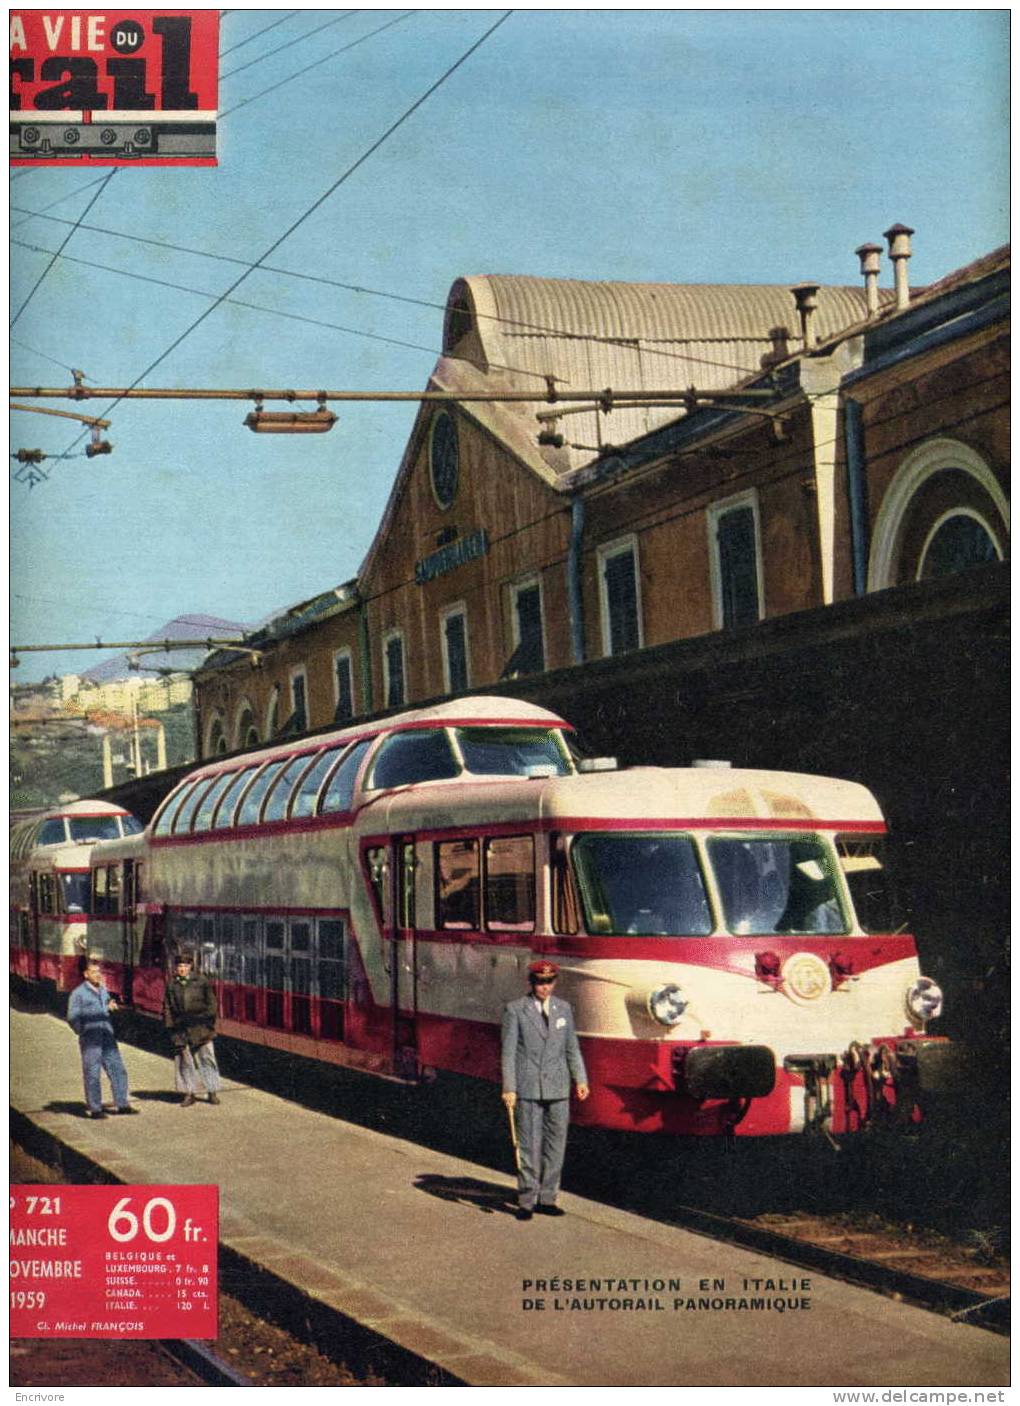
{"points": [[252, 803], [204, 814], [275, 807], [225, 810], [340, 791], [310, 784], [186, 813], [513, 751], [407, 757]]}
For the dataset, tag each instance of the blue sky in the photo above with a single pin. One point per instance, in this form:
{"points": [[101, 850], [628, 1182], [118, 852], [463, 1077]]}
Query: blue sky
{"points": [[666, 145]]}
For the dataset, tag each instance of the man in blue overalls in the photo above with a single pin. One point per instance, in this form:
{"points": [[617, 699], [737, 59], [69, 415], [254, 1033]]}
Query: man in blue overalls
{"points": [[88, 1013]]}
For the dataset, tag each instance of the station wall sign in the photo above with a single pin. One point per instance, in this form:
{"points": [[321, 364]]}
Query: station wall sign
{"points": [[454, 554], [113, 87]]}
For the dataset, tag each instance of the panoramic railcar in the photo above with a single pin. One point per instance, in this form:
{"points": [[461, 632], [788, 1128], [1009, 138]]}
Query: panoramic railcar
{"points": [[373, 897], [51, 901]]}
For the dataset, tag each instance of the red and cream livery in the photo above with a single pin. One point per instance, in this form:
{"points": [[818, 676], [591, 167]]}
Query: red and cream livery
{"points": [[51, 902], [373, 897]]}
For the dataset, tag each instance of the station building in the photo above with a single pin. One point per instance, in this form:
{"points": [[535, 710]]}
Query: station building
{"points": [[800, 448]]}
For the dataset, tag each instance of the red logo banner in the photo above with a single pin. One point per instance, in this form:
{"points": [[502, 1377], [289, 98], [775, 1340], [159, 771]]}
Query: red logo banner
{"points": [[114, 87]]}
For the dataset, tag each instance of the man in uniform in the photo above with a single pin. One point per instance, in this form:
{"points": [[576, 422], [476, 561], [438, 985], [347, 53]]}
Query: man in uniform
{"points": [[189, 1013], [88, 1014], [540, 1056]]}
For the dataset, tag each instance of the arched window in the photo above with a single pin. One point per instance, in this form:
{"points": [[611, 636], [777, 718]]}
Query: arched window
{"points": [[957, 541], [944, 511], [216, 737], [246, 732]]}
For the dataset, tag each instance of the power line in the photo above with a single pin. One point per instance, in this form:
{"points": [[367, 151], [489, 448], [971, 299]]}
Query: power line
{"points": [[71, 195], [258, 34], [563, 333], [256, 307], [35, 352], [308, 67], [67, 238], [355, 166], [289, 44]]}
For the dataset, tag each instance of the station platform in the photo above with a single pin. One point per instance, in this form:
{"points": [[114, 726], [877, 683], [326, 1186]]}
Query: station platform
{"points": [[422, 1249]]}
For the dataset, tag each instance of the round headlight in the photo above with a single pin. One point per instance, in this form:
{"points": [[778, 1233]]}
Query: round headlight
{"points": [[667, 1004], [924, 999]]}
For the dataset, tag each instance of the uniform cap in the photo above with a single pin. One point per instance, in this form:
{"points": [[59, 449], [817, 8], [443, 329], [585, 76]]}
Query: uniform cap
{"points": [[185, 956], [543, 971]]}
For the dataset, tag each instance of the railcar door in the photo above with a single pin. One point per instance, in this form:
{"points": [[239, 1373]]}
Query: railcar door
{"points": [[128, 919], [34, 940], [403, 957]]}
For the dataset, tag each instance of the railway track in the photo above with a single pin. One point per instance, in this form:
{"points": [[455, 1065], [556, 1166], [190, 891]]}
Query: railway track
{"points": [[212, 1369], [873, 1259]]}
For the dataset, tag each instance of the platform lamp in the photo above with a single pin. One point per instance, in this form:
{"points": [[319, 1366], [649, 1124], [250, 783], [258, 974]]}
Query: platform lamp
{"points": [[290, 421]]}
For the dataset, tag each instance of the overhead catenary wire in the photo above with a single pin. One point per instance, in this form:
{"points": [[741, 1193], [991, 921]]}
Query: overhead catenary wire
{"points": [[70, 235], [564, 334], [316, 204], [258, 33], [316, 63], [345, 15]]}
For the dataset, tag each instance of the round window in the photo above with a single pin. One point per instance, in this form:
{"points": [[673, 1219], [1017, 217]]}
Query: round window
{"points": [[444, 465]]}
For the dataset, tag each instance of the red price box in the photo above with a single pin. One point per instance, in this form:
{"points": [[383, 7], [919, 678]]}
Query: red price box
{"points": [[113, 1261]]}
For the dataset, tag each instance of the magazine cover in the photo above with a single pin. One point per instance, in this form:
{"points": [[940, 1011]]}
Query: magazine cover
{"points": [[509, 570]]}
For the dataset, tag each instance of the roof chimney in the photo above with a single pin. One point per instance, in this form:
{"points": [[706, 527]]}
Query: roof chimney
{"points": [[899, 251], [870, 256], [806, 295]]}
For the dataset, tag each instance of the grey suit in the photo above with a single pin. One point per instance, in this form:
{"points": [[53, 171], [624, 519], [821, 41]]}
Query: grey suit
{"points": [[538, 1064]]}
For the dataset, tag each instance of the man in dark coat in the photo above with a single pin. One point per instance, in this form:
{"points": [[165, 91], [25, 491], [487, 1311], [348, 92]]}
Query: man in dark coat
{"points": [[189, 1013], [540, 1056]]}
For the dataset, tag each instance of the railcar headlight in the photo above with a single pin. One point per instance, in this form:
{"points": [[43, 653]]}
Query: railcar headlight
{"points": [[667, 1004], [924, 999]]}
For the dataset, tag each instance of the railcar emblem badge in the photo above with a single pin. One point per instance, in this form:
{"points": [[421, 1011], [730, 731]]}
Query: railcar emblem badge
{"points": [[806, 977]]}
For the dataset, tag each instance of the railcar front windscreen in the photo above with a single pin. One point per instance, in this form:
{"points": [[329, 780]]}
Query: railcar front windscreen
{"points": [[777, 885]]}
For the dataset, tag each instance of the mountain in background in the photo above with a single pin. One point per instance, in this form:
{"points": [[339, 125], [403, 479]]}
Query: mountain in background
{"points": [[184, 627]]}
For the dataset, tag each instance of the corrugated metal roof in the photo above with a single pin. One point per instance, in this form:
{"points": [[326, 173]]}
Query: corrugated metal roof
{"points": [[647, 336]]}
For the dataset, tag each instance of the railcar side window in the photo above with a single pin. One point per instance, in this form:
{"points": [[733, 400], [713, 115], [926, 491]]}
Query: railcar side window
{"points": [[76, 888], [407, 757], [457, 884], [863, 861], [275, 807], [183, 818], [228, 800], [52, 832], [303, 803], [776, 885], [340, 791], [204, 814], [513, 751], [252, 803], [641, 885], [47, 894], [129, 825], [510, 884], [566, 914]]}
